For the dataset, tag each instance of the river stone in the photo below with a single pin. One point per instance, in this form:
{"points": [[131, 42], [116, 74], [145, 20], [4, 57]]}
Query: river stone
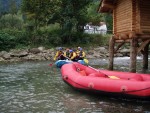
{"points": [[1, 59], [41, 53], [14, 59], [89, 56], [34, 50], [41, 48], [119, 55], [2, 53], [32, 57], [125, 51], [19, 54], [6, 56], [90, 52]]}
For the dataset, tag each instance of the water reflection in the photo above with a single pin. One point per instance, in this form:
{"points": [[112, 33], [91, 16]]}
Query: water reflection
{"points": [[36, 87]]}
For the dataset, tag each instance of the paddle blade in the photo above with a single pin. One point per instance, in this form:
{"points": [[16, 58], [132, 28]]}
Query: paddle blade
{"points": [[86, 61], [50, 65]]}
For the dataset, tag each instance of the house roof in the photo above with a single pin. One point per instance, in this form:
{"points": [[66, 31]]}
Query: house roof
{"points": [[106, 6]]}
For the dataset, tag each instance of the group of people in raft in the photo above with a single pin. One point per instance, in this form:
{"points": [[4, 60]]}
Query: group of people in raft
{"points": [[70, 54]]}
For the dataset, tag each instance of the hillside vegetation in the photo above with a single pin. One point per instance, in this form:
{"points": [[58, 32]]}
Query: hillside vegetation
{"points": [[25, 24]]}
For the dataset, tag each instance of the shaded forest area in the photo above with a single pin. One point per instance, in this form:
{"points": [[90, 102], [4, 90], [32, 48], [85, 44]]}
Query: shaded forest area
{"points": [[49, 23]]}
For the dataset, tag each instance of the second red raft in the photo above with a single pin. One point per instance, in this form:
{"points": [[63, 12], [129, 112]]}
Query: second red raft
{"points": [[106, 82]]}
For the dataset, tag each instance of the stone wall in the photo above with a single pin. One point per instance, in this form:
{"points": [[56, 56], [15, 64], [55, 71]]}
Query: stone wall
{"points": [[41, 53]]}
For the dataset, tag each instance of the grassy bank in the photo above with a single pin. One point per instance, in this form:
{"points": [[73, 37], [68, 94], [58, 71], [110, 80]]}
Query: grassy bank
{"points": [[18, 39]]}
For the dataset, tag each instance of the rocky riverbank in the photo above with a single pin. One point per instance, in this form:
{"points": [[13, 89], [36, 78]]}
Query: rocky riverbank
{"points": [[41, 53]]}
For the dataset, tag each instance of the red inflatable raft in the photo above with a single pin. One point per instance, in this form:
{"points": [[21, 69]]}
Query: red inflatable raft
{"points": [[106, 82]]}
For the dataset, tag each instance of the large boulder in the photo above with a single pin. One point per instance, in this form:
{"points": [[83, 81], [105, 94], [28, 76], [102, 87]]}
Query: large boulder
{"points": [[101, 50], [19, 53], [32, 57], [41, 48], [2, 53], [2, 59], [6, 56], [34, 50]]}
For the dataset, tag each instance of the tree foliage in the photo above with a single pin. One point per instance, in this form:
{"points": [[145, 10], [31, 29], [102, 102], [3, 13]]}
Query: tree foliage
{"points": [[48, 22], [70, 14], [93, 15], [10, 19], [40, 11], [76, 10], [72, 17], [13, 7]]}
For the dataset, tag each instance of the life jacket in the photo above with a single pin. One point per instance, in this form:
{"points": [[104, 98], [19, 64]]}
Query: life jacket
{"points": [[81, 53], [72, 56], [67, 54], [78, 53], [59, 53]]}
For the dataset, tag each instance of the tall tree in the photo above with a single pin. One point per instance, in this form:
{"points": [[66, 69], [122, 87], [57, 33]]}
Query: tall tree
{"points": [[12, 11], [75, 11], [72, 17], [70, 14], [92, 14], [39, 10], [13, 7], [1, 8]]}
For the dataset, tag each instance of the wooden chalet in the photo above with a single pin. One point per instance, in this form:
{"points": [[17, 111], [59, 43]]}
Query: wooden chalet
{"points": [[131, 24]]}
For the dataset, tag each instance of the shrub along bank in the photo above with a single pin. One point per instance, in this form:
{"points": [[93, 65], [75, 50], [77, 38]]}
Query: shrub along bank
{"points": [[18, 39]]}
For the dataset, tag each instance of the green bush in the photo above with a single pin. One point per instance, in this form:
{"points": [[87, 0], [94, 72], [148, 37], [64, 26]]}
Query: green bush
{"points": [[11, 21], [48, 37], [95, 39], [6, 41], [10, 39], [100, 40], [54, 38]]}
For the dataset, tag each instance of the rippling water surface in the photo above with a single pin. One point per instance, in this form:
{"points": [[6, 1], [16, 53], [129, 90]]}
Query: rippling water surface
{"points": [[35, 87]]}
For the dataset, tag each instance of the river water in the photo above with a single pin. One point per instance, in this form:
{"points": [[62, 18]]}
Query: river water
{"points": [[35, 87]]}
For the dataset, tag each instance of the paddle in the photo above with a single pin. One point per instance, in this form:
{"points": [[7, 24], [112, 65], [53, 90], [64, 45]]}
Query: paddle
{"points": [[51, 64], [95, 69], [59, 63], [111, 76], [86, 60], [64, 57]]}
